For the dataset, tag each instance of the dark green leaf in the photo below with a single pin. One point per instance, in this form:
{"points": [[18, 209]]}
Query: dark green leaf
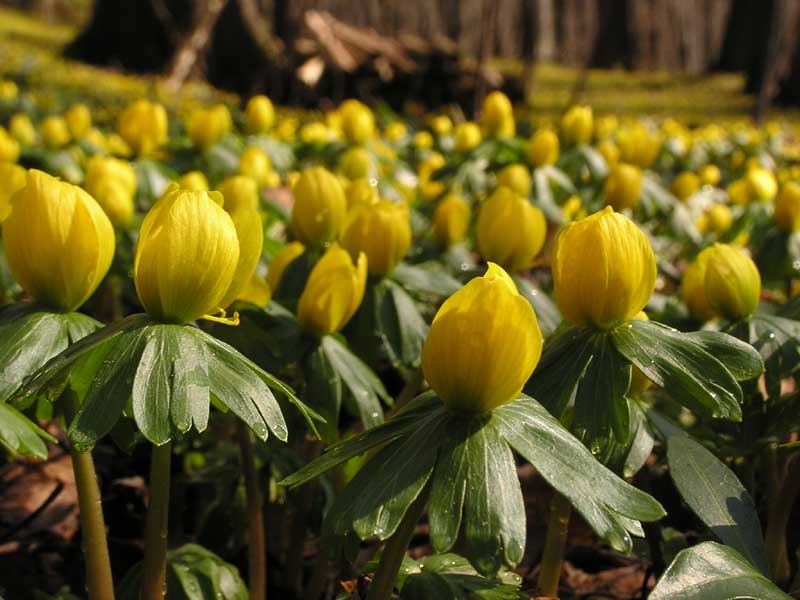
{"points": [[451, 576], [714, 493], [323, 391], [595, 491], [448, 488], [19, 435], [682, 367], [426, 278], [710, 571], [740, 358], [399, 324], [152, 385]]}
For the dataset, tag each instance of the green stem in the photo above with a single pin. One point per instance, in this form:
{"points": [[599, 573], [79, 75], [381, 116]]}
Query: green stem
{"points": [[781, 501], [155, 535], [394, 551], [554, 545], [99, 583], [257, 556]]}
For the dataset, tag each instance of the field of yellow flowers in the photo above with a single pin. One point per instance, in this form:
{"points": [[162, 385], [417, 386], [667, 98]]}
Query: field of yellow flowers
{"points": [[362, 354]]}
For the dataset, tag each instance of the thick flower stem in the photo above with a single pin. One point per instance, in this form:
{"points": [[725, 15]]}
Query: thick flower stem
{"points": [[155, 535], [394, 551], [783, 495], [257, 555], [554, 545], [99, 583]]}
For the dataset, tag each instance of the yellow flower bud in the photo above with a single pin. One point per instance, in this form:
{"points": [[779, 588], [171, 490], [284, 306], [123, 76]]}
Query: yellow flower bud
{"points": [[358, 122], [8, 90], [256, 291], [118, 146], [604, 270], [259, 114], [241, 203], [79, 120], [483, 345], [381, 231], [9, 148], [466, 136], [685, 185], [112, 182], [441, 125], [517, 178], [739, 192], [497, 115], [762, 183], [58, 241], [693, 289], [12, 178], [194, 181], [606, 126], [272, 180], [315, 133], [255, 163], [21, 129], [355, 163], [543, 148], [719, 218], [55, 132], [451, 220], [395, 131], [333, 292], [423, 140], [609, 151], [623, 187], [319, 207], [143, 126], [638, 146], [281, 261], [430, 188], [206, 126], [577, 125], [239, 192], [787, 208], [186, 257], [573, 209], [510, 230], [710, 175], [361, 191], [732, 281]]}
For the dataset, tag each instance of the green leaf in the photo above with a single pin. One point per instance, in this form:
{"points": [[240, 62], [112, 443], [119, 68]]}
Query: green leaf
{"points": [[426, 278], [740, 358], [494, 512], [324, 391], [446, 503], [193, 573], [365, 389], [711, 571], [446, 576], [21, 436], [546, 310], [682, 367], [714, 493], [399, 323], [601, 497], [778, 341]]}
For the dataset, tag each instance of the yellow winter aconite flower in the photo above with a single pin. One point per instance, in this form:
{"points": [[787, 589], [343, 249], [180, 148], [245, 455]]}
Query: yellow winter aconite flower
{"points": [[573, 209], [787, 207], [423, 140], [497, 115], [517, 177], [21, 129], [718, 218], [395, 131], [685, 185], [732, 281], [762, 184], [609, 151], [638, 145], [543, 148], [186, 256], [319, 207], [709, 175], [361, 191], [355, 163], [281, 261], [259, 114], [451, 220], [466, 136], [239, 192], [739, 192], [58, 241], [79, 120], [333, 292], [510, 230], [12, 178], [255, 163], [358, 122], [143, 126], [9, 148], [483, 345], [441, 125], [112, 182], [194, 181], [604, 270], [8, 90], [693, 289], [257, 291], [429, 187], [55, 132], [205, 126], [577, 125], [381, 231], [240, 201], [623, 187]]}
